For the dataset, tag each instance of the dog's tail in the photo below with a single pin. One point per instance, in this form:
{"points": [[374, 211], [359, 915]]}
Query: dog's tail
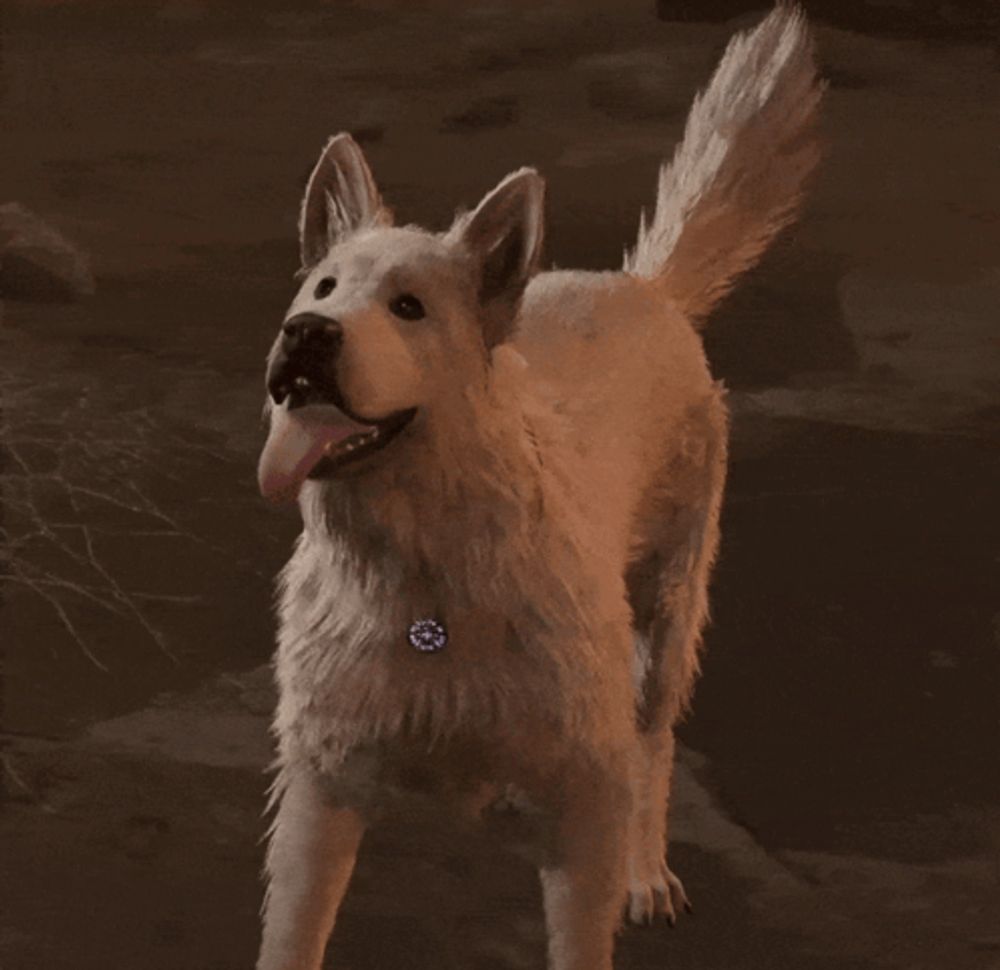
{"points": [[738, 174]]}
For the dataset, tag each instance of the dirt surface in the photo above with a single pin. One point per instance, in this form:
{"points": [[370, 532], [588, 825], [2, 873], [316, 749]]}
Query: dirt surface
{"points": [[839, 796]]}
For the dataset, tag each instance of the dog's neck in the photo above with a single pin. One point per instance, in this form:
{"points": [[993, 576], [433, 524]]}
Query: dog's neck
{"points": [[454, 517]]}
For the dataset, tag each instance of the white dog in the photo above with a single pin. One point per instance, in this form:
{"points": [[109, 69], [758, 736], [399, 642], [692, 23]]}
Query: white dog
{"points": [[510, 485]]}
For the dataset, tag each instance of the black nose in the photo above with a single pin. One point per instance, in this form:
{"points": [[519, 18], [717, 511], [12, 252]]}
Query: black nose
{"points": [[302, 366], [311, 330]]}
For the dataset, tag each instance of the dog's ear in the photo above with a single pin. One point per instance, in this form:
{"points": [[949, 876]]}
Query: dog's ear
{"points": [[340, 198], [504, 237]]}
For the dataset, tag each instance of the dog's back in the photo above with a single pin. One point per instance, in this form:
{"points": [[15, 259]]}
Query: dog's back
{"points": [[621, 367], [629, 339], [619, 356]]}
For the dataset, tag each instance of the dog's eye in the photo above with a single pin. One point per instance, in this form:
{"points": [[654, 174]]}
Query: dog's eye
{"points": [[325, 287], [408, 307]]}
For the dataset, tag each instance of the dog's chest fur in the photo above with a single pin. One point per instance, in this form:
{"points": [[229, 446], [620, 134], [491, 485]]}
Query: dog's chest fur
{"points": [[537, 657]]}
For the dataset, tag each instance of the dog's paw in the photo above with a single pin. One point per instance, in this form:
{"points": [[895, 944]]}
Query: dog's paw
{"points": [[663, 895], [671, 897], [641, 903]]}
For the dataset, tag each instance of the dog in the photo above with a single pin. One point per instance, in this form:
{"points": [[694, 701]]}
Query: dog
{"points": [[510, 483]]}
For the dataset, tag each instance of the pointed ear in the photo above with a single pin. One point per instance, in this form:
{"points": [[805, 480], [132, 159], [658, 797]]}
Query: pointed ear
{"points": [[504, 237], [340, 198]]}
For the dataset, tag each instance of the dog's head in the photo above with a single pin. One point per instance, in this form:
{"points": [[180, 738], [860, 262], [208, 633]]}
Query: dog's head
{"points": [[391, 326]]}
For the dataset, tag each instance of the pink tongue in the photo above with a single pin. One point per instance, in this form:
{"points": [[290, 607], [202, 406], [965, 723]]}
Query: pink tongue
{"points": [[295, 445]]}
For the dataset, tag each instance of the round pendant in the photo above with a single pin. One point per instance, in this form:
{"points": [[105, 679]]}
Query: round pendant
{"points": [[427, 636]]}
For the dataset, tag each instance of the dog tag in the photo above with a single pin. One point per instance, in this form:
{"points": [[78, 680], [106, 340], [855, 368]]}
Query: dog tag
{"points": [[427, 636]]}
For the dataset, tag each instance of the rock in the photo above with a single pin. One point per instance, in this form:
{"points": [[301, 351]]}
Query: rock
{"points": [[37, 262]]}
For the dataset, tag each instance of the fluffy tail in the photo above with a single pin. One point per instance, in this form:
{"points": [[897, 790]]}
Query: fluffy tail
{"points": [[738, 174]]}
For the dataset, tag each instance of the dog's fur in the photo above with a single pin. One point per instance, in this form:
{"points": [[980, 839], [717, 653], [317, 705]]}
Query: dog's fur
{"points": [[555, 500]]}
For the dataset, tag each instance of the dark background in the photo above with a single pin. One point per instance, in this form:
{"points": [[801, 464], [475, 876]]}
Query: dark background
{"points": [[838, 798]]}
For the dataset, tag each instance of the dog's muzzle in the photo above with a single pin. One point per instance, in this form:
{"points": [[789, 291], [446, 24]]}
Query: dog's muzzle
{"points": [[312, 432], [302, 368]]}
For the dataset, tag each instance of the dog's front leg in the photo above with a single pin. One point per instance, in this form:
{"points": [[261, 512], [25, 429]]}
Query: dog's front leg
{"points": [[584, 884], [309, 863]]}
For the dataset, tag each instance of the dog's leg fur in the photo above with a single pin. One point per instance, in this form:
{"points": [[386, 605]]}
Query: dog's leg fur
{"points": [[584, 882], [653, 887], [682, 610], [674, 620], [309, 863], [736, 179]]}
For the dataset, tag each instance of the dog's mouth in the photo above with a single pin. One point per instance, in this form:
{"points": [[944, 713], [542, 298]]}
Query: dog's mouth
{"points": [[313, 437], [367, 439]]}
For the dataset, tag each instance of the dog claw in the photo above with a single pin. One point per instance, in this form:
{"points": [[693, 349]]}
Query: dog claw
{"points": [[665, 896], [641, 906]]}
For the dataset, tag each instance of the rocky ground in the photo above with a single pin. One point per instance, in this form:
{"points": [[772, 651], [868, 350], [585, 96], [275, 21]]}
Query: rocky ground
{"points": [[839, 797]]}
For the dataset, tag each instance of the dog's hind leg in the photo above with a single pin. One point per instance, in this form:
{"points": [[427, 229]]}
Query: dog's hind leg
{"points": [[309, 863], [653, 887], [670, 599]]}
